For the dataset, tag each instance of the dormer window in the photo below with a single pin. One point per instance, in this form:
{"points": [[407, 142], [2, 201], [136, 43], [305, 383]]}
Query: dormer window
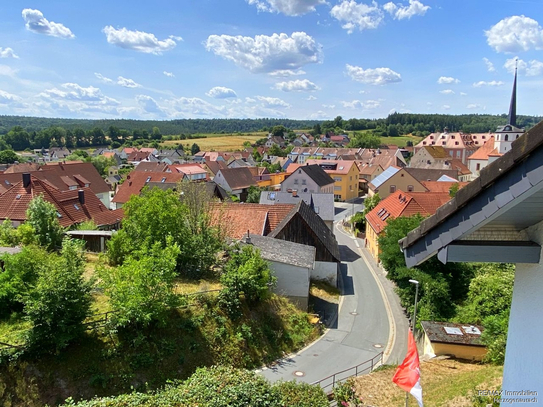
{"points": [[148, 179], [456, 143]]}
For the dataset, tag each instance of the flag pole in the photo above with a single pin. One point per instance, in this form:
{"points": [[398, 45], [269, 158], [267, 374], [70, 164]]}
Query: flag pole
{"points": [[413, 326]]}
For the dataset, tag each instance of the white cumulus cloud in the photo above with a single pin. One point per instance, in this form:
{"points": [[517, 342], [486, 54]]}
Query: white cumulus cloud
{"points": [[265, 54], [103, 78], [286, 73], [8, 53], [169, 74], [36, 22], [299, 85], [399, 11], [220, 92], [7, 98], [463, 94], [447, 92], [75, 92], [447, 80], [357, 104], [354, 15], [515, 34], [445, 107], [377, 76], [311, 97], [149, 105], [287, 7], [127, 83], [473, 106], [272, 102], [489, 65], [485, 83], [530, 68], [139, 40]]}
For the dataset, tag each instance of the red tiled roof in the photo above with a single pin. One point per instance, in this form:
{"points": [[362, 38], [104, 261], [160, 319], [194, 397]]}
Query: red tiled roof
{"points": [[441, 186], [25, 167], [485, 150], [136, 181], [54, 173], [236, 218], [14, 203], [405, 204]]}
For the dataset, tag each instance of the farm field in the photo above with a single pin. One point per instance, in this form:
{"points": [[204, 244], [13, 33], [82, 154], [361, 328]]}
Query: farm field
{"points": [[218, 142], [401, 141]]}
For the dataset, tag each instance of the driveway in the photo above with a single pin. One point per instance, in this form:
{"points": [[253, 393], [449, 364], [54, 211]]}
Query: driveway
{"points": [[363, 327]]}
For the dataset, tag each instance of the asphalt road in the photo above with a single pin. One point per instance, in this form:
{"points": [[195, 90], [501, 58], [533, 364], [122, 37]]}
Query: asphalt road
{"points": [[362, 329]]}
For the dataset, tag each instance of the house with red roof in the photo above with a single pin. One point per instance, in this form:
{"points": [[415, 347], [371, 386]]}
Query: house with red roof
{"points": [[73, 206], [137, 180], [398, 204], [65, 176]]}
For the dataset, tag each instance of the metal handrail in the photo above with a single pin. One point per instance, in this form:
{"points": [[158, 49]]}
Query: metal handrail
{"points": [[337, 378]]}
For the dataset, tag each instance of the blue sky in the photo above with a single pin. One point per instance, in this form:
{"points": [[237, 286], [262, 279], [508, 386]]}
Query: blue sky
{"points": [[299, 59]]}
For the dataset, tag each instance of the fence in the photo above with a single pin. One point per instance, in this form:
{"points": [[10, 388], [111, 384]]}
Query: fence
{"points": [[328, 383]]}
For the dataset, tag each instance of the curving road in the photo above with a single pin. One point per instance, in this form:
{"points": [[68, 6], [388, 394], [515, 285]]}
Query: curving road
{"points": [[369, 318]]}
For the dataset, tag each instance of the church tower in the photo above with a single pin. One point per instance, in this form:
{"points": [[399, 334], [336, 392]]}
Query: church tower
{"points": [[505, 135]]}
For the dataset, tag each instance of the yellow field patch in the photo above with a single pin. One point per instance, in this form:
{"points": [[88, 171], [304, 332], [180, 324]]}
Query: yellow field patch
{"points": [[218, 142]]}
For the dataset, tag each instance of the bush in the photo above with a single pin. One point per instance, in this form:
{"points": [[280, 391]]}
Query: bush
{"points": [[42, 216], [300, 395], [60, 301], [141, 290], [247, 278]]}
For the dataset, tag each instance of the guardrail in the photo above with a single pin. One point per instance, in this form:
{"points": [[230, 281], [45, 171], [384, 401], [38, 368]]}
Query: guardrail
{"points": [[328, 383]]}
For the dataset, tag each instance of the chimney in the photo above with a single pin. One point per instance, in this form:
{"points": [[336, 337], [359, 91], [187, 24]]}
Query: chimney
{"points": [[26, 179], [248, 238], [81, 196], [294, 192]]}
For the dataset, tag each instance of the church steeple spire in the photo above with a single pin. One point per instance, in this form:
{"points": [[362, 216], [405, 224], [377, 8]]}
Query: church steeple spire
{"points": [[513, 106]]}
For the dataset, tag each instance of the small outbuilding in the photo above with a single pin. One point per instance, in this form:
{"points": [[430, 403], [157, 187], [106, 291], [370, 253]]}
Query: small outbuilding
{"points": [[462, 341], [95, 240], [292, 264]]}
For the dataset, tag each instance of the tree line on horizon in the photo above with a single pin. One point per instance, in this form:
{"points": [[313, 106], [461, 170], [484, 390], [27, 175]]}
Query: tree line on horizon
{"points": [[20, 132]]}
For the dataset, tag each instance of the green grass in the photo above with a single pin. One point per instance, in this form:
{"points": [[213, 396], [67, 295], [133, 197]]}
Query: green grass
{"points": [[324, 290], [12, 329], [104, 363], [444, 383], [401, 141]]}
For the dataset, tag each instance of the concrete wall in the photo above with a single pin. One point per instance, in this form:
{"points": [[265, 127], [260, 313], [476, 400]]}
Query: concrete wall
{"points": [[523, 355], [325, 270], [459, 351], [292, 282]]}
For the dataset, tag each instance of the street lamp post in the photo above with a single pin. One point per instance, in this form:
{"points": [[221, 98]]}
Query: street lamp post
{"points": [[416, 299]]}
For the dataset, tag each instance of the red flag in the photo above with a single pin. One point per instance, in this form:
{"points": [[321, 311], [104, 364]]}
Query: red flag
{"points": [[407, 376]]}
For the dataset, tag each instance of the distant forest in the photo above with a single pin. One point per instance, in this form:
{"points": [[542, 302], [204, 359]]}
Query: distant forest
{"points": [[20, 132], [169, 127]]}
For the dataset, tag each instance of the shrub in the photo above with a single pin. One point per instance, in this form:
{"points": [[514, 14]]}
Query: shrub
{"points": [[42, 216], [60, 301], [141, 290], [300, 395]]}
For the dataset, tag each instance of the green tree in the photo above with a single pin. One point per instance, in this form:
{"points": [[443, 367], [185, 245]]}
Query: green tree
{"points": [[141, 290], [19, 276], [18, 138], [364, 140], [453, 189], [247, 278], [8, 157], [156, 134], [253, 194], [102, 163], [195, 149], [370, 203], [60, 301], [43, 217], [279, 131]]}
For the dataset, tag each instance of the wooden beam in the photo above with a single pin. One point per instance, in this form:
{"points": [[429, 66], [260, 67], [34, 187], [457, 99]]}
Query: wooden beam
{"points": [[490, 252]]}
